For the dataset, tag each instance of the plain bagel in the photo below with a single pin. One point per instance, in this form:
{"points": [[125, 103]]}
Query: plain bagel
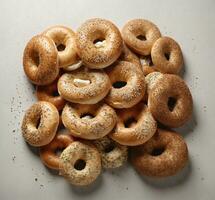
{"points": [[50, 93], [48, 153]]}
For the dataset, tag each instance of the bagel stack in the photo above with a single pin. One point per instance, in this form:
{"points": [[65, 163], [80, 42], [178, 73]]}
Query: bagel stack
{"points": [[111, 92]]}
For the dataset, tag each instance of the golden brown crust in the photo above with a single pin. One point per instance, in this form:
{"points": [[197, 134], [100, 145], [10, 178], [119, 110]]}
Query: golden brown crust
{"points": [[90, 94], [140, 27], [49, 93], [132, 92], [173, 158], [48, 152], [80, 151], [168, 46], [151, 80], [148, 69], [139, 130], [113, 155], [167, 87], [40, 60], [93, 30], [62, 35], [40, 123], [147, 65], [129, 56], [103, 121]]}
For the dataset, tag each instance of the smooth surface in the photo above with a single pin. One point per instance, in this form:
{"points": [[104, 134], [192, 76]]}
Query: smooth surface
{"points": [[191, 23]]}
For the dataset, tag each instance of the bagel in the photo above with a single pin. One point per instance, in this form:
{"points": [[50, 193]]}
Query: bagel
{"points": [[99, 43], [135, 126], [98, 87], [113, 155], [167, 55], [170, 101], [163, 155], [48, 153], [89, 121], [40, 60], [80, 163], [40, 123], [129, 56], [140, 35], [128, 85], [49, 93], [65, 41]]}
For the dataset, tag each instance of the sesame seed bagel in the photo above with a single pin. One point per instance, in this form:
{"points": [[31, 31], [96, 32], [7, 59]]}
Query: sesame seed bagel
{"points": [[89, 121], [49, 93], [40, 60], [163, 155], [80, 163], [128, 85], [113, 155], [135, 126], [151, 80], [140, 35], [99, 56], [48, 153], [90, 93], [170, 101], [167, 55], [40, 123], [65, 41]]}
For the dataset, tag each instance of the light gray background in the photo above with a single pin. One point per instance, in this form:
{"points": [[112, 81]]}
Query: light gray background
{"points": [[191, 23]]}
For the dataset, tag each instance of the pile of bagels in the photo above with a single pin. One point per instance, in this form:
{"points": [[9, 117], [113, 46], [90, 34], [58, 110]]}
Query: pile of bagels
{"points": [[112, 93]]}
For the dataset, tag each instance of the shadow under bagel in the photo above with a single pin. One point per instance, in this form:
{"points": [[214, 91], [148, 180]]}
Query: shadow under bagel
{"points": [[170, 181], [88, 189]]}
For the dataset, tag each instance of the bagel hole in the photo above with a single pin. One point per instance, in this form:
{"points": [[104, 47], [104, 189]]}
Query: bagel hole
{"points": [[130, 122], [110, 147], [119, 84], [36, 59], [167, 56], [99, 42], [60, 47], [55, 93], [141, 37], [58, 151], [87, 116], [80, 164], [38, 123], [157, 151], [171, 103]]}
